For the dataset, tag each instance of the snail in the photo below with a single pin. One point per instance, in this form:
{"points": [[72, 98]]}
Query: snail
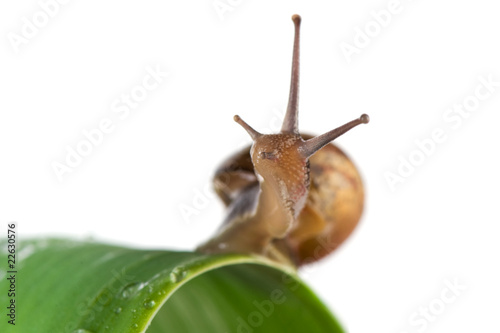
{"points": [[292, 198]]}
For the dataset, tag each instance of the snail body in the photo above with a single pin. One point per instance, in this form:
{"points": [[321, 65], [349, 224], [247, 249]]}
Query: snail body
{"points": [[293, 198]]}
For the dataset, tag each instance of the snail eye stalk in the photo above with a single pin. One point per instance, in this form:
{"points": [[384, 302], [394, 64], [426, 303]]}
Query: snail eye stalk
{"points": [[313, 145]]}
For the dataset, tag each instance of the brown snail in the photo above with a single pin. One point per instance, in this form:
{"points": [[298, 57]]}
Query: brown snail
{"points": [[291, 197]]}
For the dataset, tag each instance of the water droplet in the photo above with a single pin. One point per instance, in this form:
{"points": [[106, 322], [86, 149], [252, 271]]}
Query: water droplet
{"points": [[133, 310], [131, 289], [148, 304], [135, 326], [177, 274], [81, 330], [118, 310], [222, 246]]}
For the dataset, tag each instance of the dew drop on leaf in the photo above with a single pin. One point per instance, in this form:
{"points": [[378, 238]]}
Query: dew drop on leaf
{"points": [[148, 304], [178, 274], [131, 289]]}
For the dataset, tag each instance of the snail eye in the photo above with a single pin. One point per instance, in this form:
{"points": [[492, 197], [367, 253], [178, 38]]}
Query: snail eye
{"points": [[267, 155]]}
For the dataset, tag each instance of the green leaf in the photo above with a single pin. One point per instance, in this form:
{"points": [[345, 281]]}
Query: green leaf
{"points": [[80, 287]]}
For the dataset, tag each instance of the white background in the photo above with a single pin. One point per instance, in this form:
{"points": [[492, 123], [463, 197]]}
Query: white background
{"points": [[441, 224]]}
